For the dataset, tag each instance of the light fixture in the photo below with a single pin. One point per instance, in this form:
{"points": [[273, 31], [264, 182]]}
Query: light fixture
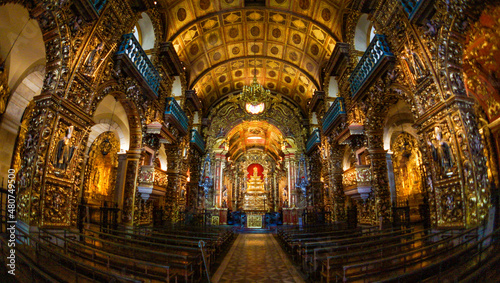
{"points": [[255, 97]]}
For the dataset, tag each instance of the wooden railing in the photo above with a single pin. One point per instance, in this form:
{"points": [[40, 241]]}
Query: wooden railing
{"points": [[376, 56], [197, 140], [336, 111], [313, 140], [174, 113], [137, 63]]}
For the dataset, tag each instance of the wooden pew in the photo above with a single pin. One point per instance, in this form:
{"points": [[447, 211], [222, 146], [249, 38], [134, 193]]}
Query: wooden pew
{"points": [[172, 242], [387, 235], [55, 263], [333, 258], [476, 263], [409, 261], [184, 253], [105, 260]]}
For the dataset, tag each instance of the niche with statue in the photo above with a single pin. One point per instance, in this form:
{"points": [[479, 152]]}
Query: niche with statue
{"points": [[101, 169], [407, 161]]}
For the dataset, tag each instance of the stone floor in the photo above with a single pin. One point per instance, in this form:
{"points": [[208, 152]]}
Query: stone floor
{"points": [[256, 258]]}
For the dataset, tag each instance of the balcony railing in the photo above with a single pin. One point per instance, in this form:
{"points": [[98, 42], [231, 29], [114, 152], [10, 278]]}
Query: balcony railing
{"points": [[175, 114], [314, 139], [376, 56], [337, 110], [197, 140], [98, 5], [135, 58]]}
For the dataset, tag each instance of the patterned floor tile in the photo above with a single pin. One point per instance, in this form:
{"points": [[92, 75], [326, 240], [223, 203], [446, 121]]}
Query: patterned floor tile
{"points": [[256, 258]]}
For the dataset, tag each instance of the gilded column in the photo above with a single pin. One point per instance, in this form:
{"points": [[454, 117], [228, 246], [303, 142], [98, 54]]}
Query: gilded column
{"points": [[130, 186], [380, 183], [336, 181]]}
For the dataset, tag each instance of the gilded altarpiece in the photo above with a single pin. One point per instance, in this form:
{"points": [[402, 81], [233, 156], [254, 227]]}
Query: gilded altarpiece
{"points": [[100, 173], [408, 175], [51, 166]]}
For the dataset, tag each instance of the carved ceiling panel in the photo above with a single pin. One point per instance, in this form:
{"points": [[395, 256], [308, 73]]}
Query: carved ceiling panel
{"points": [[251, 135], [222, 42]]}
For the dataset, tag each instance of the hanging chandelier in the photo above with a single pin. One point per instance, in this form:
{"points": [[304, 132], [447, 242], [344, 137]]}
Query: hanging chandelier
{"points": [[255, 98]]}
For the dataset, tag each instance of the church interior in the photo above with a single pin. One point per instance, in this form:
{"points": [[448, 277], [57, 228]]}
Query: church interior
{"points": [[249, 140]]}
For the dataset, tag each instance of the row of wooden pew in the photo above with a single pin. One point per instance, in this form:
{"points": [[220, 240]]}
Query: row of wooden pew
{"points": [[146, 254], [337, 254]]}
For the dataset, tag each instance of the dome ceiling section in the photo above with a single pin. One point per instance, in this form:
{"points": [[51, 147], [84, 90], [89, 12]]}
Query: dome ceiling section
{"points": [[220, 50]]}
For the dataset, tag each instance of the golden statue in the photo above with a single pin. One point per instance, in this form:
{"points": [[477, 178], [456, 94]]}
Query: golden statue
{"points": [[255, 183], [255, 195]]}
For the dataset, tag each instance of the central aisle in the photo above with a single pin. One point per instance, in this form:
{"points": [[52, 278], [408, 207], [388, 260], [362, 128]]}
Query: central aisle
{"points": [[256, 258]]}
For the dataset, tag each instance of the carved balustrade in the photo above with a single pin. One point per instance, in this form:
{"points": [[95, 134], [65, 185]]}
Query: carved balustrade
{"points": [[334, 115], [175, 115], [313, 140], [357, 181], [197, 140], [375, 60], [136, 63]]}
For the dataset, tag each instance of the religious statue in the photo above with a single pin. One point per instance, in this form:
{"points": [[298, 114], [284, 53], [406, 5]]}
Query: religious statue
{"points": [[414, 63], [93, 59], [64, 151], [442, 153], [255, 196]]}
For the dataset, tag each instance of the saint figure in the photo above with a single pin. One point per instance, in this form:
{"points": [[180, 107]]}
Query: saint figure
{"points": [[64, 151], [442, 153]]}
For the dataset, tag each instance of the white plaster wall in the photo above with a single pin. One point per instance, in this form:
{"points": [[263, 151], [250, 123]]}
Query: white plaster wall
{"points": [[111, 116], [29, 48], [147, 32], [361, 36], [30, 86]]}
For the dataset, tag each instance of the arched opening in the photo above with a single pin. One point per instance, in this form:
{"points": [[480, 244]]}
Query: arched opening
{"points": [[110, 115], [22, 45], [408, 175], [365, 32], [101, 171], [145, 34], [22, 71], [14, 122]]}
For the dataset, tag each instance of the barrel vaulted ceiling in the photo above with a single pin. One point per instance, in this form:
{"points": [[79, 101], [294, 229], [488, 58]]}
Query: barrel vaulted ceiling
{"points": [[223, 43], [255, 135]]}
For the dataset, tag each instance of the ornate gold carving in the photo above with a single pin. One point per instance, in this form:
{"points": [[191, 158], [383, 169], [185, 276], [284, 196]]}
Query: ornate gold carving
{"points": [[4, 90], [101, 169], [406, 163]]}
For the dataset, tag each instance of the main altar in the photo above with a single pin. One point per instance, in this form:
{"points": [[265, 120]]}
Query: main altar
{"points": [[254, 201]]}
